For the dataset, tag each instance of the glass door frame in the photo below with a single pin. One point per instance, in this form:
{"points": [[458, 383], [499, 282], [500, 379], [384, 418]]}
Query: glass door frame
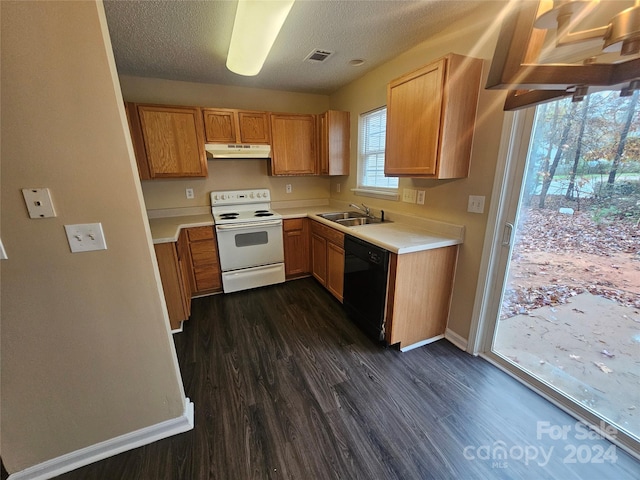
{"points": [[505, 202]]}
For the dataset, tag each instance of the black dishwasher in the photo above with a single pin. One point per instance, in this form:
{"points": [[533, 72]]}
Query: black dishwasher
{"points": [[365, 285]]}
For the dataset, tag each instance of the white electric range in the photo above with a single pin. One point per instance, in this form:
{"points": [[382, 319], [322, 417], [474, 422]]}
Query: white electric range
{"points": [[249, 236]]}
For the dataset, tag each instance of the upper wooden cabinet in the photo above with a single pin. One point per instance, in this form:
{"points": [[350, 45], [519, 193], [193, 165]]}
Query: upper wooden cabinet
{"points": [[168, 141], [334, 129], [293, 144], [430, 119], [224, 125]]}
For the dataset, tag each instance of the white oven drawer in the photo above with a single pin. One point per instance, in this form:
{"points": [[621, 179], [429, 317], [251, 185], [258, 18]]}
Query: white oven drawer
{"points": [[252, 277]]}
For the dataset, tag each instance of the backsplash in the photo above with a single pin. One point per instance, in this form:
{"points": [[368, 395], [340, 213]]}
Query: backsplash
{"points": [[231, 175]]}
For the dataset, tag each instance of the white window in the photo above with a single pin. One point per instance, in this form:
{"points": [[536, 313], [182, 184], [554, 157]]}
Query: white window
{"points": [[371, 142]]}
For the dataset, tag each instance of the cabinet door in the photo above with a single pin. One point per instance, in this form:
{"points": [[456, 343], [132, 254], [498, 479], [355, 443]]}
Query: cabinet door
{"points": [[319, 258], [294, 150], [219, 125], [335, 147], [335, 270], [173, 141], [172, 283], [296, 247], [414, 112], [254, 127]]}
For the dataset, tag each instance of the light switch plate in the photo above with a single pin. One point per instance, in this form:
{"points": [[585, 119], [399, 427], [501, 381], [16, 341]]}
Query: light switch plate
{"points": [[85, 237], [409, 195], [476, 204], [38, 201]]}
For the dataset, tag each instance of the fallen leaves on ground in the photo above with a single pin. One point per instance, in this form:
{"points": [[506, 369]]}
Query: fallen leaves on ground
{"points": [[546, 230], [603, 367]]}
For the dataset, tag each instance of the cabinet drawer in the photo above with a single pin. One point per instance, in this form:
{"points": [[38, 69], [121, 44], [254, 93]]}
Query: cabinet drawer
{"points": [[200, 233], [207, 277], [292, 224], [203, 252], [331, 234]]}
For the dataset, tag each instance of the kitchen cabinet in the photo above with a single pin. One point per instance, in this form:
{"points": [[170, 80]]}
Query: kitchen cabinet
{"points": [[334, 129], [176, 289], [419, 295], [201, 259], [327, 257], [293, 144], [296, 247], [430, 119], [168, 141], [223, 125]]}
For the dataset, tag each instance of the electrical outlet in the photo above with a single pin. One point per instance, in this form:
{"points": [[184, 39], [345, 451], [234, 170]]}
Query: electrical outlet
{"points": [[85, 237], [189, 193], [288, 188], [337, 188], [409, 195], [476, 204], [420, 197]]}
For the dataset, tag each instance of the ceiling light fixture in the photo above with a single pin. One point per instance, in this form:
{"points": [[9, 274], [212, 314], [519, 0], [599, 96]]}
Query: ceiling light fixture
{"points": [[621, 34], [256, 27]]}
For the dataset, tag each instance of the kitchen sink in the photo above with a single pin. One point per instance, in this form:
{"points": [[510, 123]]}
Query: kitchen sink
{"points": [[350, 219], [335, 216], [353, 222]]}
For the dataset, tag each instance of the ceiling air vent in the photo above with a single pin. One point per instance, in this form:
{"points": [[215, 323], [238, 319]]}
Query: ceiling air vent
{"points": [[317, 56]]}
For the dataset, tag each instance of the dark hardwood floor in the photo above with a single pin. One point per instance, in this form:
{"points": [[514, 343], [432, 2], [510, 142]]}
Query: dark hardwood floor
{"points": [[285, 386]]}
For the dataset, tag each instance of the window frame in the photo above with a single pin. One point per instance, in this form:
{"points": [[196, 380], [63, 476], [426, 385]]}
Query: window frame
{"points": [[362, 187]]}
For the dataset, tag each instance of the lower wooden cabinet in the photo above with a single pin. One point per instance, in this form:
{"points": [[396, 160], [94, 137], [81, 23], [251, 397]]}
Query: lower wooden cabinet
{"points": [[419, 295], [296, 247], [177, 293], [327, 257], [201, 259]]}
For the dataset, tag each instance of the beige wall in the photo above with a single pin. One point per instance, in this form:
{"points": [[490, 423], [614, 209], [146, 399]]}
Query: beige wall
{"points": [[445, 200], [86, 351], [225, 174]]}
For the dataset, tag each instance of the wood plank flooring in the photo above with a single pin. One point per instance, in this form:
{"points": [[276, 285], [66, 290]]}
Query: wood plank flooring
{"points": [[285, 387]]}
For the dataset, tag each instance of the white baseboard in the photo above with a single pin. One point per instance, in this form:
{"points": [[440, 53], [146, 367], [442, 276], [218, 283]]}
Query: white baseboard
{"points": [[422, 343], [456, 339], [85, 456]]}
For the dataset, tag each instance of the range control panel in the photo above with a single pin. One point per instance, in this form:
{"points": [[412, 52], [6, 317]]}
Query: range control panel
{"points": [[236, 197]]}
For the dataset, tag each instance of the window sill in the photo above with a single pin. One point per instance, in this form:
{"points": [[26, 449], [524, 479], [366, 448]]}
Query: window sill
{"points": [[392, 195]]}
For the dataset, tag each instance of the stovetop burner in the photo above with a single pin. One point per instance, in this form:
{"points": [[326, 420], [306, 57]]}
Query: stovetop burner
{"points": [[242, 206]]}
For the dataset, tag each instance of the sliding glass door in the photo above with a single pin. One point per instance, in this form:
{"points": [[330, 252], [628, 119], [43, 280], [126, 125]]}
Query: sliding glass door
{"points": [[563, 314]]}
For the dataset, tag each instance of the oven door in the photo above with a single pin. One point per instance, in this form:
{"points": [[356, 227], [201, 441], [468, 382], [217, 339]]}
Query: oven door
{"points": [[251, 244]]}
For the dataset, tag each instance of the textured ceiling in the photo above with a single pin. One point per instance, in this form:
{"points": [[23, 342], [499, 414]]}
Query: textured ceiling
{"points": [[188, 40]]}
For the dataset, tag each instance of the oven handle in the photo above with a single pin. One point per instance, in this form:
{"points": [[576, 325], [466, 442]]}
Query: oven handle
{"points": [[270, 223]]}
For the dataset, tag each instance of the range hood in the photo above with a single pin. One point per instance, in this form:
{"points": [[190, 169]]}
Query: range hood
{"points": [[240, 150]]}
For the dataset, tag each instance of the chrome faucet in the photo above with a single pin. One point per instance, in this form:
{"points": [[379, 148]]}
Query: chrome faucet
{"points": [[364, 208]]}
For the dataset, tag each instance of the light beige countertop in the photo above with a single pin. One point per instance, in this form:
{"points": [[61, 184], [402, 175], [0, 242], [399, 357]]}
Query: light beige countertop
{"points": [[167, 229], [403, 234], [397, 236]]}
